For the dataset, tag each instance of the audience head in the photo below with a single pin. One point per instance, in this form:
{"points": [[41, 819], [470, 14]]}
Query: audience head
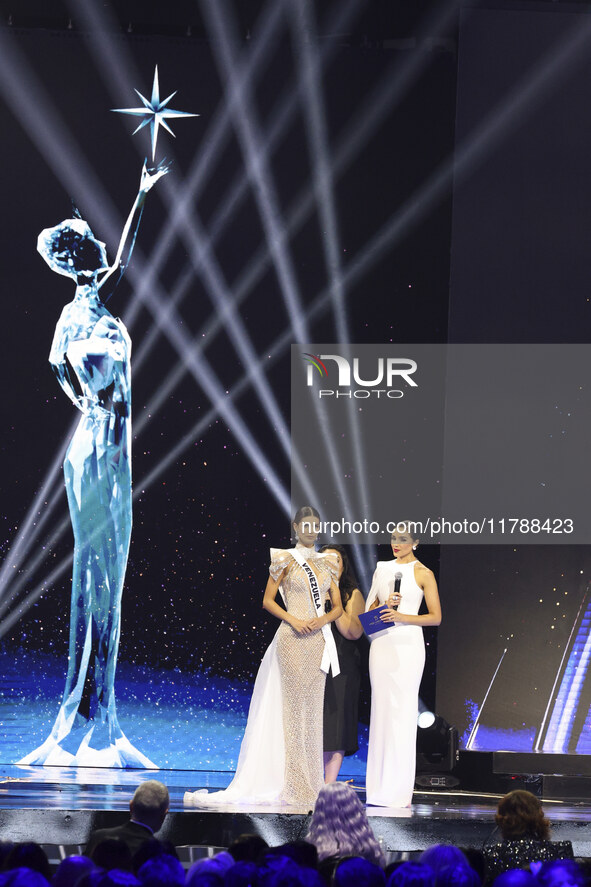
{"points": [[585, 868], [5, 848], [358, 872], [476, 860], [339, 836], [149, 850], [242, 874], [112, 853], [162, 871], [210, 871], [28, 855], [515, 878], [392, 866], [310, 877], [339, 825], [560, 873], [22, 877], [302, 852], [520, 814], [70, 870], [441, 855], [205, 878], [280, 871], [118, 878], [412, 874], [149, 804], [90, 878], [457, 875], [248, 847]]}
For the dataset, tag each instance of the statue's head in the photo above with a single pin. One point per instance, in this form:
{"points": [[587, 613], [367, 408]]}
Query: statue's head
{"points": [[71, 248]]}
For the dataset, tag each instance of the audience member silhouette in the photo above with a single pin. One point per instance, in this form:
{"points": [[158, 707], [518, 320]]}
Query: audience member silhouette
{"points": [[148, 809]]}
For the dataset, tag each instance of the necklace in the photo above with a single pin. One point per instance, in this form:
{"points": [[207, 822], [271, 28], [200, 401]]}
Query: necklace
{"points": [[303, 549]]}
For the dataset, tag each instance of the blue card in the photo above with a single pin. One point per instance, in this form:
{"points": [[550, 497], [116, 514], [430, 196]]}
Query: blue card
{"points": [[372, 624]]}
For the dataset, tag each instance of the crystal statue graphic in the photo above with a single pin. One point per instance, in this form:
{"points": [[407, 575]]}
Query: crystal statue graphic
{"points": [[90, 356]]}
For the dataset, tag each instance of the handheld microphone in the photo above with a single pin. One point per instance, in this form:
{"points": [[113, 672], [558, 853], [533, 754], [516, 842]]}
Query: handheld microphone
{"points": [[397, 581]]}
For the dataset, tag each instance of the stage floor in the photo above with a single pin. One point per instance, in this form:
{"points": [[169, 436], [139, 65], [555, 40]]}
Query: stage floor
{"points": [[56, 805]]}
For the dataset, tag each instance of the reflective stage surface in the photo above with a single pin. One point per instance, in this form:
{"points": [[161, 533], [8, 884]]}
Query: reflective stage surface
{"points": [[55, 805]]}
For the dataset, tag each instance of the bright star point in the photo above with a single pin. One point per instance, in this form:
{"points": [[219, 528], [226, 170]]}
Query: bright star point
{"points": [[154, 112]]}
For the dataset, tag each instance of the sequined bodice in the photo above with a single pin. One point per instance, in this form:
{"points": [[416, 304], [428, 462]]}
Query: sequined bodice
{"points": [[516, 853], [296, 586]]}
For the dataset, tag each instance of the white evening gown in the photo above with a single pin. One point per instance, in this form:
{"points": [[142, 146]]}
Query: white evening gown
{"points": [[280, 757], [396, 661]]}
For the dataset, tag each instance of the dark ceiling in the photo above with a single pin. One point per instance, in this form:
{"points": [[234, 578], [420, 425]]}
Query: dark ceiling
{"points": [[381, 19]]}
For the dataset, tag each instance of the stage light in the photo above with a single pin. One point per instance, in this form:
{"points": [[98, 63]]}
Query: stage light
{"points": [[425, 719], [480, 144], [316, 130], [437, 752], [12, 588], [474, 150], [281, 119], [35, 519], [245, 120], [373, 113], [248, 131], [309, 70], [433, 732]]}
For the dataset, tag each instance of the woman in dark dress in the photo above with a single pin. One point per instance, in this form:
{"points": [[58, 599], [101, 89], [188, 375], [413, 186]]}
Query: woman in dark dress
{"points": [[341, 694], [526, 833]]}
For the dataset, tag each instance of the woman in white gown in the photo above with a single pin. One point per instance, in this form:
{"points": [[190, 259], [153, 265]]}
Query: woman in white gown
{"points": [[280, 758], [396, 661]]}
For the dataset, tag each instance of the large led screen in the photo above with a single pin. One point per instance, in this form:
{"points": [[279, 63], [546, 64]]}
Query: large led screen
{"points": [[279, 192]]}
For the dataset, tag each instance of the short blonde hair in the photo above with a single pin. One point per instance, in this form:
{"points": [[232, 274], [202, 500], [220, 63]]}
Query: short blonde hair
{"points": [[150, 797]]}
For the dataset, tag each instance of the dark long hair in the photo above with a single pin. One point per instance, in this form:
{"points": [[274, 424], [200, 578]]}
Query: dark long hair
{"points": [[305, 511], [520, 813], [348, 581]]}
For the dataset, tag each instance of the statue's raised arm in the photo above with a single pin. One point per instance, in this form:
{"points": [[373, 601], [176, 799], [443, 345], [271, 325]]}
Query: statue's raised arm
{"points": [[148, 180]]}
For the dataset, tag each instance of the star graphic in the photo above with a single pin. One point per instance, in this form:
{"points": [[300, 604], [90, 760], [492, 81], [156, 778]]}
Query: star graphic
{"points": [[155, 112]]}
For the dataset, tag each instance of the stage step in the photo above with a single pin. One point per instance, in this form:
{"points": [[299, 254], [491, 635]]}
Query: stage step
{"points": [[553, 777], [544, 764], [571, 788]]}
